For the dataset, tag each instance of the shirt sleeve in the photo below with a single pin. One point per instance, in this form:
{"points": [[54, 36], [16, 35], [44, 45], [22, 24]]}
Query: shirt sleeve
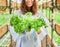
{"points": [[13, 33], [43, 33], [44, 30], [40, 14]]}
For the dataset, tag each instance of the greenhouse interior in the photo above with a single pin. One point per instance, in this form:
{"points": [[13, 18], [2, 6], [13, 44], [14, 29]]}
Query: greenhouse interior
{"points": [[29, 23]]}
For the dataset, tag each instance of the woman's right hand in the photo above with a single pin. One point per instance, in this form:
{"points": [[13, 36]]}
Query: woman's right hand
{"points": [[39, 31]]}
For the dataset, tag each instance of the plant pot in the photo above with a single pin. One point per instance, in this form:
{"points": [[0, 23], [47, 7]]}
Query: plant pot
{"points": [[12, 45], [3, 30], [57, 28]]}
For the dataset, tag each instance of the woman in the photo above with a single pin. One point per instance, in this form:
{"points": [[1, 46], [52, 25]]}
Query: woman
{"points": [[29, 6]]}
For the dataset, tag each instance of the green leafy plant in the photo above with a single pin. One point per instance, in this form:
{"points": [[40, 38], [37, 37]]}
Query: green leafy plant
{"points": [[4, 17], [22, 23]]}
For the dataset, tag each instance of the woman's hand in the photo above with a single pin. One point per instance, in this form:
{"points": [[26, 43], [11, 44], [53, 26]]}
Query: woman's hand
{"points": [[39, 31]]}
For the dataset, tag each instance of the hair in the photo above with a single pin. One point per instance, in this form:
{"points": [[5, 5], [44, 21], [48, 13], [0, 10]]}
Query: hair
{"points": [[25, 9]]}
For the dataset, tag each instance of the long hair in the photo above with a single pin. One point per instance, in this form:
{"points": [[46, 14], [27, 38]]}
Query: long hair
{"points": [[25, 9]]}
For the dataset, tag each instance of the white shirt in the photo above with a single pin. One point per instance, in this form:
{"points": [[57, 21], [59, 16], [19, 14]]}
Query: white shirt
{"points": [[21, 39]]}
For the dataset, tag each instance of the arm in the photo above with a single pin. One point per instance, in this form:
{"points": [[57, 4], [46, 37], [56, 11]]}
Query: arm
{"points": [[13, 33], [44, 31], [40, 14]]}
